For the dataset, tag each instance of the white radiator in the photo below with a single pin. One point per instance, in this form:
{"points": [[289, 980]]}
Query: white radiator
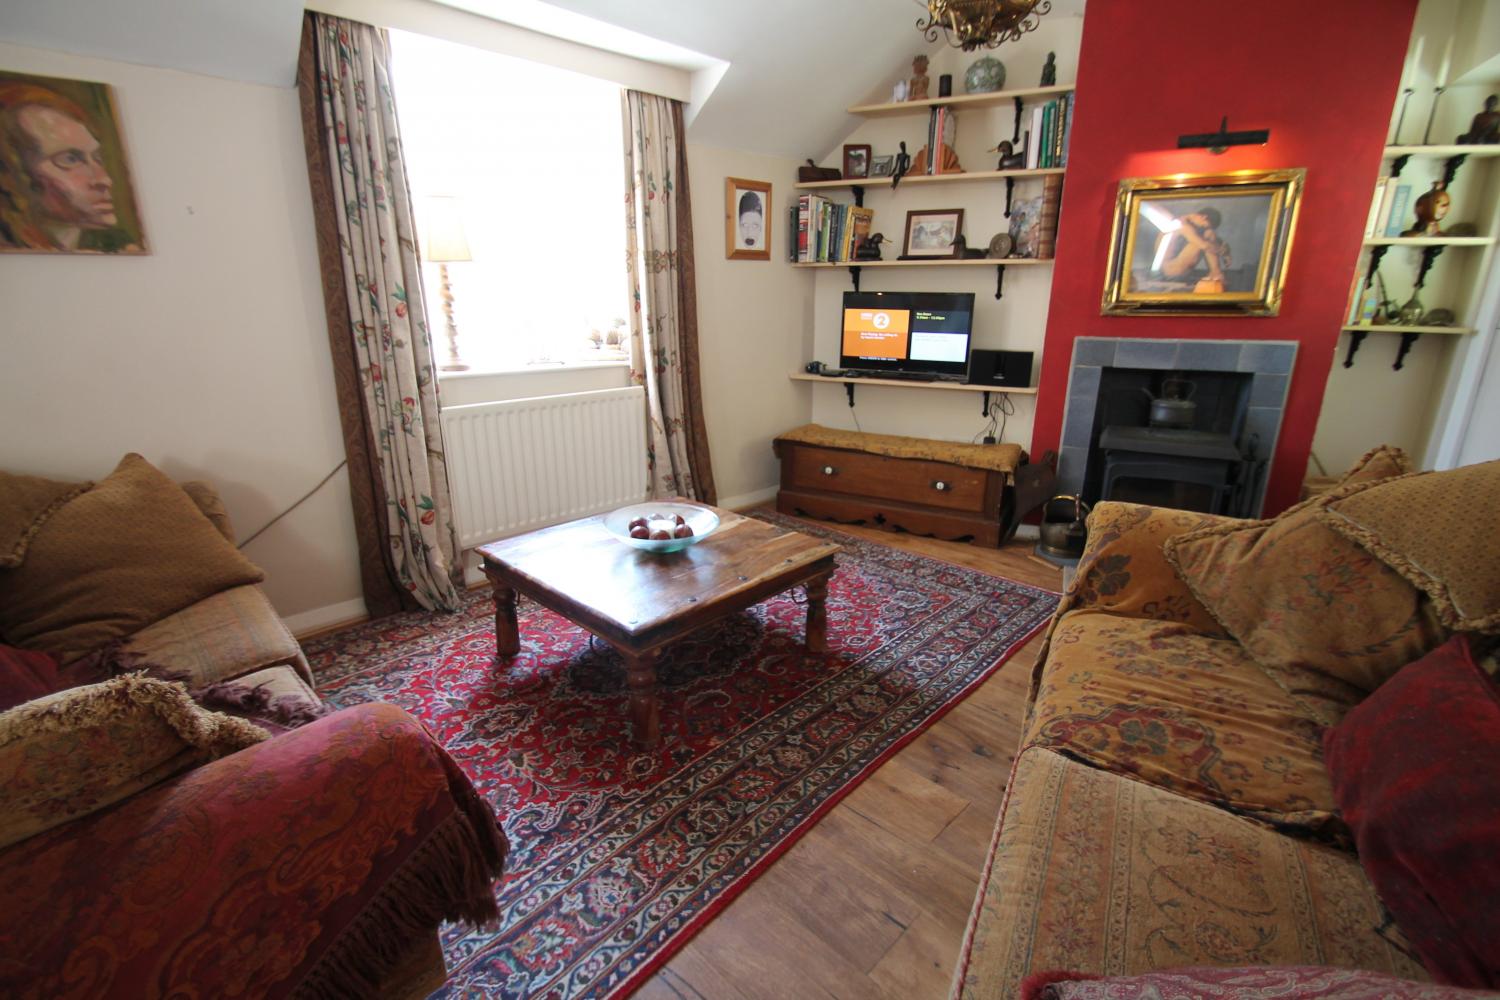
{"points": [[527, 463]]}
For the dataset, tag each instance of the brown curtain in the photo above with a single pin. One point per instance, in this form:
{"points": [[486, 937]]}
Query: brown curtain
{"points": [[664, 317], [382, 353]]}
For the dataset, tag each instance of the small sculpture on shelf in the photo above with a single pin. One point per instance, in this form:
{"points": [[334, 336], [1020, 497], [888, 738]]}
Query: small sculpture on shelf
{"points": [[1411, 313], [916, 87], [1430, 210], [1049, 70], [901, 167], [1009, 158], [963, 251], [869, 247], [1438, 317], [1485, 128]]}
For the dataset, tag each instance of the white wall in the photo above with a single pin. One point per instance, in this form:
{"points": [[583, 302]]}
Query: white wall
{"points": [[753, 326], [210, 356]]}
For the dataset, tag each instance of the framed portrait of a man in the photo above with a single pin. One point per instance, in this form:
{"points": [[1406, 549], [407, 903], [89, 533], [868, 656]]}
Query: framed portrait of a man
{"points": [[1203, 245], [747, 219], [64, 182]]}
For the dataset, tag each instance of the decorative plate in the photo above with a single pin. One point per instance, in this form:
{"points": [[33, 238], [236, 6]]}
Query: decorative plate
{"points": [[1001, 245], [662, 514]]}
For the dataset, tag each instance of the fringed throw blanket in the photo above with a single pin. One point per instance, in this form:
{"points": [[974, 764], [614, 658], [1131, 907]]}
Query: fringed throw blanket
{"points": [[303, 865]]}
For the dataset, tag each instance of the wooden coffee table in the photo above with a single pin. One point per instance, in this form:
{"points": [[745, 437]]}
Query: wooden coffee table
{"points": [[639, 601]]}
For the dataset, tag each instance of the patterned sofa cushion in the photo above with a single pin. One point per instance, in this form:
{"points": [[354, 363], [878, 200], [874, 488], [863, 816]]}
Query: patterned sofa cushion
{"points": [[1102, 874], [1184, 711], [232, 633], [1326, 619]]}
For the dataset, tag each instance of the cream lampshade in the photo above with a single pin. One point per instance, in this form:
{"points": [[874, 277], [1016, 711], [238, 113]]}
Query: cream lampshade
{"points": [[445, 242]]}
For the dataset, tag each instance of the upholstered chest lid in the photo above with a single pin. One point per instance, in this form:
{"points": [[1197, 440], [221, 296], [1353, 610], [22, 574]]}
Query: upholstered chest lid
{"points": [[1438, 530], [994, 457]]}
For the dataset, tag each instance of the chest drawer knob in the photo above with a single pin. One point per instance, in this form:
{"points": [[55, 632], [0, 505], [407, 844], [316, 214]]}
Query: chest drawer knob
{"points": [[940, 486], [829, 470]]}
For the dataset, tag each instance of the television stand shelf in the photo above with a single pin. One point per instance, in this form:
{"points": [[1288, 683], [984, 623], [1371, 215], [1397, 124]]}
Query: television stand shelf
{"points": [[893, 383]]}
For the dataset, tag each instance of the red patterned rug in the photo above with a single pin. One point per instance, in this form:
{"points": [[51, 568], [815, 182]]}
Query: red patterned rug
{"points": [[619, 856]]}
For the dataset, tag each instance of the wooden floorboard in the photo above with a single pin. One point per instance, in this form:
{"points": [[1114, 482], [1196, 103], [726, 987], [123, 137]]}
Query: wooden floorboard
{"points": [[873, 900]]}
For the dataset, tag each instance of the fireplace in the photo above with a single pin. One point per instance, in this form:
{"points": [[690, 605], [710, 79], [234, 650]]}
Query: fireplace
{"points": [[1217, 463]]}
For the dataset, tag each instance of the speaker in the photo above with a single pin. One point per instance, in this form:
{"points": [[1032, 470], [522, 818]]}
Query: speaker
{"points": [[1010, 369]]}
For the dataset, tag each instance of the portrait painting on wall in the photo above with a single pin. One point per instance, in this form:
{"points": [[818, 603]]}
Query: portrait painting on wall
{"points": [[747, 219], [64, 182], [1203, 245]]}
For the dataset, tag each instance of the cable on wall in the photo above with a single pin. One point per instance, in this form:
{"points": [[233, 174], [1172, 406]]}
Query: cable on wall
{"points": [[294, 506]]}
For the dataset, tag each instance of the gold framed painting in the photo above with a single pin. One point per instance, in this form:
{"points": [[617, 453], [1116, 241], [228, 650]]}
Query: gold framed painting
{"points": [[64, 182], [747, 219], [1202, 245]]}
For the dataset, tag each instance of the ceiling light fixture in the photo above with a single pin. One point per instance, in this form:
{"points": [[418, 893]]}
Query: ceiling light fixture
{"points": [[975, 24], [1220, 141]]}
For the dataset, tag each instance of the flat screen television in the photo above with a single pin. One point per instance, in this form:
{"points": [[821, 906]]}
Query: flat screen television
{"points": [[925, 333]]}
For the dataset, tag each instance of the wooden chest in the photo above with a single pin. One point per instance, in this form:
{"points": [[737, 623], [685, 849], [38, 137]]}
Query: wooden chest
{"points": [[921, 496]]}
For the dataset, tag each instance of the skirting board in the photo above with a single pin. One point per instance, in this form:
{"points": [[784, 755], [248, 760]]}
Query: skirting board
{"points": [[316, 620], [745, 500]]}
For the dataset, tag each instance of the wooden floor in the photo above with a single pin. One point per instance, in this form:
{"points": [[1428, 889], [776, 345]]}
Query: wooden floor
{"points": [[872, 902]]}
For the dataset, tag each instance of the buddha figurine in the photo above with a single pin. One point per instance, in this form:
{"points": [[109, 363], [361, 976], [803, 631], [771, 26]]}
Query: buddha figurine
{"points": [[1430, 210], [916, 87]]}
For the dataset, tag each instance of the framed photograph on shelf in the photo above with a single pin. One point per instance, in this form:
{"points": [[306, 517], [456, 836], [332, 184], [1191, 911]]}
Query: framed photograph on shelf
{"points": [[747, 219], [1202, 245], [856, 161], [882, 166], [931, 234]]}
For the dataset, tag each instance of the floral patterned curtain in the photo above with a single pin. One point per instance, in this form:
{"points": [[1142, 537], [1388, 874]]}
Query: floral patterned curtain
{"points": [[381, 280], [664, 313]]}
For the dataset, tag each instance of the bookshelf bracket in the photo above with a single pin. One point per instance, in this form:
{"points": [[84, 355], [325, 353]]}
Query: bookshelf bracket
{"points": [[1016, 136], [1407, 340], [1399, 164], [1010, 189], [1429, 256], [859, 194], [984, 397], [1377, 254], [849, 388], [1451, 168], [999, 280], [1356, 337], [854, 277]]}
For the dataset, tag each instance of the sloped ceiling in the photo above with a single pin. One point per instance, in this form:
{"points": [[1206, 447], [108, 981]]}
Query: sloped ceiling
{"points": [[251, 40]]}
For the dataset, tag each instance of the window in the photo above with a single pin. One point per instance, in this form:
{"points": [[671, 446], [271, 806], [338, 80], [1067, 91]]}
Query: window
{"points": [[534, 156]]}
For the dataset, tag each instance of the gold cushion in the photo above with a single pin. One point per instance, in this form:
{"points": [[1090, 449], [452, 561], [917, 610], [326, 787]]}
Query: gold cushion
{"points": [[1327, 620], [1436, 529], [996, 457], [77, 751], [1183, 711], [206, 498], [25, 504], [126, 553], [1381, 462]]}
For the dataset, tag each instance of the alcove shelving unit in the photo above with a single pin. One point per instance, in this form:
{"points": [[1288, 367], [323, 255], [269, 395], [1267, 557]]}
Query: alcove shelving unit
{"points": [[1471, 198]]}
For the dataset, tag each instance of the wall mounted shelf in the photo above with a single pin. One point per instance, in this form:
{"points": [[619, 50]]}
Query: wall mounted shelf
{"points": [[1392, 328], [958, 102], [1443, 151], [1430, 241], [891, 383], [946, 262], [968, 175]]}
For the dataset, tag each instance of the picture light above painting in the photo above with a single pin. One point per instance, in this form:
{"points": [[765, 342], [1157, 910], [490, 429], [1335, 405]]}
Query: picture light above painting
{"points": [[64, 182]]}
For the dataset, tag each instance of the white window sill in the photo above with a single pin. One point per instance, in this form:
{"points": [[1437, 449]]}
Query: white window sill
{"points": [[569, 366]]}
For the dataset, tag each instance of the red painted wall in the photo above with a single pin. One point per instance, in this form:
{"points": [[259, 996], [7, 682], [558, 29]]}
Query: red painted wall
{"points": [[1321, 76]]}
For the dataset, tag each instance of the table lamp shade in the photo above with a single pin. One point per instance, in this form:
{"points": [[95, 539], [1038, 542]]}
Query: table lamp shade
{"points": [[444, 233]]}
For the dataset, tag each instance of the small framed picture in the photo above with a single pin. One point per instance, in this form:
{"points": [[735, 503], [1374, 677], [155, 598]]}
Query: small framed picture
{"points": [[882, 166], [931, 234], [856, 161], [747, 219], [1202, 244]]}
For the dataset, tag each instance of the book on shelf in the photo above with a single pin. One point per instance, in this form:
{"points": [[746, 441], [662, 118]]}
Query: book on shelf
{"points": [[828, 231], [1395, 220], [1046, 241], [1388, 208]]}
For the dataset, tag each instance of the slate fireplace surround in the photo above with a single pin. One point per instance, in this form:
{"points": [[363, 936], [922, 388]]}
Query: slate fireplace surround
{"points": [[1267, 364]]}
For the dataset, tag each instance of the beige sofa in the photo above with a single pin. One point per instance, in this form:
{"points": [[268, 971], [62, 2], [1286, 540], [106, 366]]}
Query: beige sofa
{"points": [[1169, 806]]}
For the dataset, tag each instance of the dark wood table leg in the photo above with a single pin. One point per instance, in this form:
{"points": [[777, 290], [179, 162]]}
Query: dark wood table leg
{"points": [[507, 634], [817, 614], [640, 673]]}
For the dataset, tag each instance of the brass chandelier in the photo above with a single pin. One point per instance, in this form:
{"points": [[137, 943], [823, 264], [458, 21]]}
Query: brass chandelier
{"points": [[975, 24]]}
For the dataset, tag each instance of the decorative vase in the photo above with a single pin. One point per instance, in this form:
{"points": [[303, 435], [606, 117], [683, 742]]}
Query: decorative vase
{"points": [[984, 76]]}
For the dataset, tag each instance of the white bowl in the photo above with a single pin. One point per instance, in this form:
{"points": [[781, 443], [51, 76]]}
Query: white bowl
{"points": [[700, 519]]}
